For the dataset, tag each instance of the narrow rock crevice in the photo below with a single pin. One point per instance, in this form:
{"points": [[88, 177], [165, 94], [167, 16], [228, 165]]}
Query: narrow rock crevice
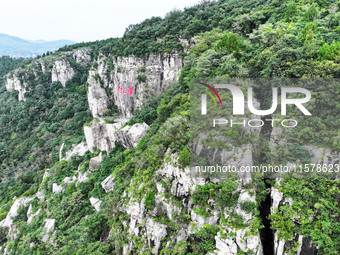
{"points": [[266, 233]]}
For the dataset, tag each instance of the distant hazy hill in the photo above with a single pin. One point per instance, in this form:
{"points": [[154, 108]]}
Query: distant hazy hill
{"points": [[17, 47]]}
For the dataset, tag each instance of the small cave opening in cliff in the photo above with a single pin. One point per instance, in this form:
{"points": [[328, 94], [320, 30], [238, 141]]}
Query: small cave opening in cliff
{"points": [[266, 233]]}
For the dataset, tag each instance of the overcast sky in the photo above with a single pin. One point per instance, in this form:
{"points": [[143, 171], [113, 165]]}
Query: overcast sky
{"points": [[79, 20]]}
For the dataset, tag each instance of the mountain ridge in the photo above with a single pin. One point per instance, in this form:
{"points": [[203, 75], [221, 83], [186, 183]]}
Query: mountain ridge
{"points": [[14, 46]]}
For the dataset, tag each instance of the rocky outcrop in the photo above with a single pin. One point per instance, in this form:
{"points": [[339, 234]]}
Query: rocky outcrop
{"points": [[31, 215], [68, 180], [49, 225], [81, 56], [108, 184], [240, 240], [40, 194], [61, 151], [323, 155], [129, 136], [236, 156], [142, 225], [46, 174], [231, 246], [163, 204], [48, 229], [62, 71], [304, 245], [82, 177], [96, 95], [56, 188], [145, 77], [95, 202], [52, 69], [200, 220], [155, 233], [136, 211], [95, 162], [103, 136], [76, 150], [160, 71], [17, 80], [181, 181], [14, 83], [100, 135], [317, 155], [8, 221]]}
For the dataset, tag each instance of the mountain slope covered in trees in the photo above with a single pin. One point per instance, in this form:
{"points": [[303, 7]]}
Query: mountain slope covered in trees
{"points": [[140, 199]]}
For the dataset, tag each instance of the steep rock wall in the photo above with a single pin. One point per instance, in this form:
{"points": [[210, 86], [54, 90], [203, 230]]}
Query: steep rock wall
{"points": [[127, 81]]}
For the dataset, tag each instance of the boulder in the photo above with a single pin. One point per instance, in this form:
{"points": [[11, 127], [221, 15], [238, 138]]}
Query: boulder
{"points": [[100, 135], [108, 184], [82, 177], [56, 188], [69, 179], [95, 162], [128, 137], [95, 202], [46, 174], [76, 150], [48, 228]]}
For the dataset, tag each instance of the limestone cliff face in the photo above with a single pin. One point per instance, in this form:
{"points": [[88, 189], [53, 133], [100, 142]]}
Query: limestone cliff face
{"points": [[18, 79], [122, 81], [8, 221], [129, 81], [97, 98], [54, 68], [62, 71], [81, 56], [14, 83], [101, 135], [141, 223], [242, 240], [179, 183]]}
